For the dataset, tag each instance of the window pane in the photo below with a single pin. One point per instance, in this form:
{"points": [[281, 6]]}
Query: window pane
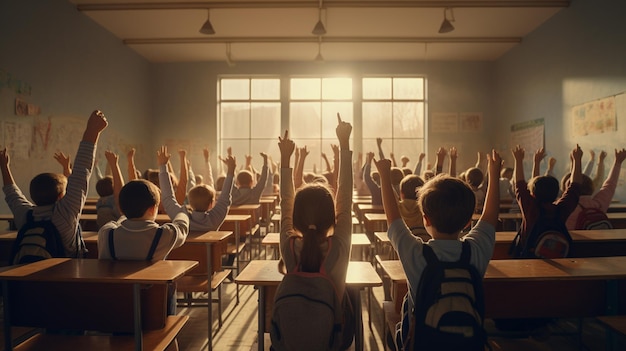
{"points": [[235, 120], [305, 88], [265, 120], [376, 119], [269, 146], [235, 89], [408, 88], [305, 120], [410, 148], [336, 88], [408, 119], [241, 148], [265, 89], [329, 117], [376, 88]]}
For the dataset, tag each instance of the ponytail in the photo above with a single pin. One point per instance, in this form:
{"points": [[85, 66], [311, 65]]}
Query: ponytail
{"points": [[311, 254]]}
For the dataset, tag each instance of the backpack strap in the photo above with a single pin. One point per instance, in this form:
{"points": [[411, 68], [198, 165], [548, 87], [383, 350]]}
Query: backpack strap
{"points": [[155, 243], [29, 216], [111, 244]]}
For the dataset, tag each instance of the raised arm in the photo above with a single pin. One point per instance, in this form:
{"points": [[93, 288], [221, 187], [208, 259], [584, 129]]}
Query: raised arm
{"points": [[298, 176], [379, 143], [393, 160], [453, 157], [390, 203], [181, 187], [326, 162], [418, 165], [491, 208], [550, 169], [208, 172], [118, 179], [576, 157], [132, 170], [64, 161], [518, 154], [7, 176], [599, 177], [441, 156], [344, 184], [589, 166], [335, 171], [538, 157]]}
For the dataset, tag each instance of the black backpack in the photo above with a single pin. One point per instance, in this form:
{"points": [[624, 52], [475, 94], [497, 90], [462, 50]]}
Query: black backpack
{"points": [[308, 313], [36, 241], [450, 309], [549, 238]]}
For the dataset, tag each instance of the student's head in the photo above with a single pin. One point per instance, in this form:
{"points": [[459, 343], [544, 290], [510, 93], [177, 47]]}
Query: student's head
{"points": [[137, 197], [329, 176], [376, 177], [396, 175], [104, 186], [428, 175], [219, 182], [409, 185], [506, 172], [47, 188], [201, 197], [244, 179], [151, 175], [407, 171], [586, 188], [309, 177], [199, 178], [544, 189], [447, 203], [474, 177], [313, 217]]}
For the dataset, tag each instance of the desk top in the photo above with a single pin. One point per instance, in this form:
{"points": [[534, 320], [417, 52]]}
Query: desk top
{"points": [[357, 239], [99, 271], [237, 217], [245, 207], [193, 237], [538, 269], [373, 217], [265, 272], [363, 207]]}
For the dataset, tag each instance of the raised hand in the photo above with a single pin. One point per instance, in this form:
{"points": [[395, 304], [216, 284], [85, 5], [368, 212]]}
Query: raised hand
{"points": [[131, 153], [343, 130], [518, 152], [206, 153], [539, 155], [620, 155], [231, 164], [97, 121], [111, 157], [5, 160], [286, 146], [163, 156]]}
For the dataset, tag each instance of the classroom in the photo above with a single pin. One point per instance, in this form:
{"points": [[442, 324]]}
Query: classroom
{"points": [[541, 88]]}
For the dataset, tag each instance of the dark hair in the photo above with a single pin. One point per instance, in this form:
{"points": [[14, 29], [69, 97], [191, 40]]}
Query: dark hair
{"points": [[152, 175], [244, 179], [219, 182], [409, 185], [396, 175], [201, 197], [586, 187], [544, 189], [45, 188], [137, 196], [104, 186], [474, 176], [313, 216], [407, 171], [447, 202]]}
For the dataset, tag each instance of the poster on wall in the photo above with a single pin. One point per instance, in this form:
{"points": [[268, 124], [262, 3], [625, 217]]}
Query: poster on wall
{"points": [[444, 122], [471, 121], [595, 117], [529, 135]]}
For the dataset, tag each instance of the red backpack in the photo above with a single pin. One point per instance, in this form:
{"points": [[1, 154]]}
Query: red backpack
{"points": [[592, 218]]}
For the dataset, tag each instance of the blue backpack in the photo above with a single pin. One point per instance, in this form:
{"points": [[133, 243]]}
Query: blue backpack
{"points": [[36, 241]]}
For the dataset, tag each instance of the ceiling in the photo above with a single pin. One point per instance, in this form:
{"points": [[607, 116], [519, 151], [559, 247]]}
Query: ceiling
{"points": [[168, 31]]}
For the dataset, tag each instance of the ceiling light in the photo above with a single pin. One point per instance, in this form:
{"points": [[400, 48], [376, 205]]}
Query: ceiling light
{"points": [[319, 57], [319, 26], [207, 27], [446, 25]]}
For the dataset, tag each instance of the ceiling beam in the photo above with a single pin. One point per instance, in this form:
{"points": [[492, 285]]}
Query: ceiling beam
{"points": [[225, 40], [326, 4]]}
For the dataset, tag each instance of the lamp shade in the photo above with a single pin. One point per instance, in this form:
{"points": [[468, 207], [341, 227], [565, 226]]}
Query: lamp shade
{"points": [[446, 26], [207, 28], [319, 28]]}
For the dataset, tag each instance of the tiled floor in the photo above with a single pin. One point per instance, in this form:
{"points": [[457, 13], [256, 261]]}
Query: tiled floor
{"points": [[239, 331]]}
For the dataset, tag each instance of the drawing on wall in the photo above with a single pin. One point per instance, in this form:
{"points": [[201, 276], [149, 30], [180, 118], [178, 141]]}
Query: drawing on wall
{"points": [[18, 86], [41, 135], [17, 138], [529, 135], [444, 122], [595, 117], [21, 107], [471, 121]]}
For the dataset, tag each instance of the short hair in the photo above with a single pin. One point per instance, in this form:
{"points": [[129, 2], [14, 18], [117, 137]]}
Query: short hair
{"points": [[409, 185], [474, 176], [447, 202], [152, 175], [244, 179], [407, 171], [586, 188], [396, 175], [198, 178], [506, 171], [137, 196], [201, 197], [544, 189], [46, 188], [104, 186]]}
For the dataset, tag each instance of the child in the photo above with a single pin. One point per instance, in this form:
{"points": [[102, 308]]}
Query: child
{"points": [[56, 197], [244, 192], [205, 214], [368, 178], [409, 207], [602, 199], [309, 218], [108, 189], [539, 196], [447, 206]]}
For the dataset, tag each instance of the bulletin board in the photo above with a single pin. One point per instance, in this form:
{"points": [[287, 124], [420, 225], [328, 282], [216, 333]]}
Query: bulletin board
{"points": [[530, 135]]}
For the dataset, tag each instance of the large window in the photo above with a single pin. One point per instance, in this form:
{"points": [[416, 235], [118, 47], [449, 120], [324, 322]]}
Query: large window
{"points": [[249, 117], [393, 108], [313, 107]]}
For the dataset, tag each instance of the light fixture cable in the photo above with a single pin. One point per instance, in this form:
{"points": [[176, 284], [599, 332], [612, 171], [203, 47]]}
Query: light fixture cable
{"points": [[207, 27], [319, 28]]}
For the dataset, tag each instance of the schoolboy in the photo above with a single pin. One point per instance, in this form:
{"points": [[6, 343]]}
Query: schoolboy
{"points": [[447, 206], [245, 192], [206, 213], [55, 196], [409, 207]]}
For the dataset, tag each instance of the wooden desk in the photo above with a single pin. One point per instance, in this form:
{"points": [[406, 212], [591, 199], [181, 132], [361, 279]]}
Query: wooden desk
{"points": [[234, 222], [88, 208], [272, 240], [536, 288], [60, 293], [252, 227], [265, 276], [374, 222], [363, 208]]}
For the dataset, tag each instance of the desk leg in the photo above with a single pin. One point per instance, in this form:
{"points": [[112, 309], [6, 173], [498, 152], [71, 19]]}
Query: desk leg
{"points": [[210, 296], [612, 308], [261, 316], [137, 314], [8, 339], [237, 233], [355, 294]]}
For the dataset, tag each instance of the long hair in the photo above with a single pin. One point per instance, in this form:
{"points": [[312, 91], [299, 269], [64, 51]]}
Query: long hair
{"points": [[313, 217]]}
